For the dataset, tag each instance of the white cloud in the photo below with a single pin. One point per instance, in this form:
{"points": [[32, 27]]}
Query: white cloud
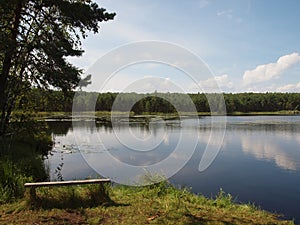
{"points": [[270, 71], [213, 84], [274, 87], [224, 81], [289, 88]]}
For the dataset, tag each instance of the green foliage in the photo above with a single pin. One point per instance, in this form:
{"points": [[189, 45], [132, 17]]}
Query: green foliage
{"points": [[21, 160], [27, 130], [36, 39], [262, 102], [11, 182], [160, 102], [223, 200], [85, 82]]}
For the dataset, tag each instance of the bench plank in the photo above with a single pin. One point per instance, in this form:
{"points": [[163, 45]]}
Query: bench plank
{"points": [[65, 183]]}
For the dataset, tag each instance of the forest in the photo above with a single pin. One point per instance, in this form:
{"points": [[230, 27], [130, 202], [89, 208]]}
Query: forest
{"points": [[57, 101]]}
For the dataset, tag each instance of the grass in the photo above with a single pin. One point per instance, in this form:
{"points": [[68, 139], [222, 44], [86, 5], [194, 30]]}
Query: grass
{"points": [[155, 204]]}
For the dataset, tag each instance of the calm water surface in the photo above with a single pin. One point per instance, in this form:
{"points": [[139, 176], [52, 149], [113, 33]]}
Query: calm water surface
{"points": [[259, 160]]}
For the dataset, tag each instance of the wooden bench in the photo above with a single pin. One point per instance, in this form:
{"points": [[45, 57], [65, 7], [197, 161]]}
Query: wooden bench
{"points": [[33, 186]]}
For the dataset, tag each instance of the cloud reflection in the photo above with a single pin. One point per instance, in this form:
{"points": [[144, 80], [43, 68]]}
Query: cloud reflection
{"points": [[265, 150]]}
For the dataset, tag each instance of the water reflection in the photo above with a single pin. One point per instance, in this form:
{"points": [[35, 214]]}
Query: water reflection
{"points": [[273, 139], [259, 159], [266, 149], [152, 143]]}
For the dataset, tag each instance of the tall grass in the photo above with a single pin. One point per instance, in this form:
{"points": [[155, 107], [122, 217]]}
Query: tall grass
{"points": [[11, 182]]}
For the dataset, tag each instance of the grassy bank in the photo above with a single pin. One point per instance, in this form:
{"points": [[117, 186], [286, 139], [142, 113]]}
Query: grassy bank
{"points": [[155, 204]]}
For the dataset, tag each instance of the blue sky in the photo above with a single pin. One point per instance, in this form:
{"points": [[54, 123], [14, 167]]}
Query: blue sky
{"points": [[249, 45]]}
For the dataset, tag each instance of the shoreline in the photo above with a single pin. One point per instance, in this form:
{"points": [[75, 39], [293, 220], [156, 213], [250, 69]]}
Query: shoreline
{"points": [[106, 115], [159, 203]]}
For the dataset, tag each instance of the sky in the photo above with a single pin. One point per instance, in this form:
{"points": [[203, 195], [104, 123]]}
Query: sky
{"points": [[247, 45]]}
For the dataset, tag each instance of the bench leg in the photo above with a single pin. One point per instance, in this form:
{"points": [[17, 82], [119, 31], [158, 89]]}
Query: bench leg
{"points": [[104, 192], [32, 194], [101, 188]]}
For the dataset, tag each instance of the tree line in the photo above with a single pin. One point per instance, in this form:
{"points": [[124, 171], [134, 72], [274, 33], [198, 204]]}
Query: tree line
{"points": [[50, 101]]}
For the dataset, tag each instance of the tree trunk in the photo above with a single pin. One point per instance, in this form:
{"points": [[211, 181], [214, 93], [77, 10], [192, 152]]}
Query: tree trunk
{"points": [[6, 67]]}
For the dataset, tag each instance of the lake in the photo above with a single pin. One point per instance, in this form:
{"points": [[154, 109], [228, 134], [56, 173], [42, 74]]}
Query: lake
{"points": [[258, 159]]}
